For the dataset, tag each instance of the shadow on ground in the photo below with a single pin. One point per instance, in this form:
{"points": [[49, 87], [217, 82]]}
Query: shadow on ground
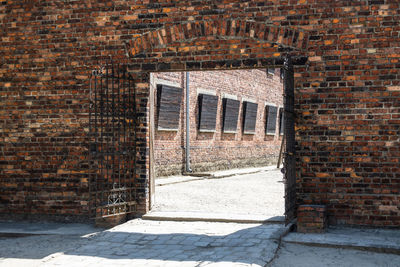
{"points": [[253, 245]]}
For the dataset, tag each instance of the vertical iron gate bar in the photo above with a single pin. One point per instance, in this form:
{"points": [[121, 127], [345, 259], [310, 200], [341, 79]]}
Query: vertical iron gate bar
{"points": [[106, 140], [112, 126], [134, 132], [127, 101], [125, 121], [90, 138], [112, 111], [132, 111], [130, 103], [118, 120], [130, 152], [289, 135], [101, 111], [93, 148]]}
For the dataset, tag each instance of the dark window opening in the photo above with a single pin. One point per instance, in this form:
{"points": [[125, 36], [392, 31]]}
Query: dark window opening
{"points": [[230, 115], [208, 105], [249, 117], [168, 107], [271, 114]]}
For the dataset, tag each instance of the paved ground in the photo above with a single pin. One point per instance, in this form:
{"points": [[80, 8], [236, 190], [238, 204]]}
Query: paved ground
{"points": [[34, 250], [260, 193], [150, 243], [167, 243], [164, 243]]}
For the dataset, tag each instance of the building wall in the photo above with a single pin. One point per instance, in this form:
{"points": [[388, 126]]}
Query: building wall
{"points": [[347, 92], [218, 150]]}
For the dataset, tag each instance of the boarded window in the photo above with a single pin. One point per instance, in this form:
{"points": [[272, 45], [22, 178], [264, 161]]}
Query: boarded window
{"points": [[281, 121], [249, 117], [168, 107], [207, 112], [271, 114], [230, 115]]}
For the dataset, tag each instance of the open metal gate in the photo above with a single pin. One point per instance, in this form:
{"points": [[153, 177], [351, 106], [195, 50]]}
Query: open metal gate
{"points": [[112, 124], [289, 161]]}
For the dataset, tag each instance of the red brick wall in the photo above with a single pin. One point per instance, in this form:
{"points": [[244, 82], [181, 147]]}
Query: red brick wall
{"points": [[211, 151], [347, 90]]}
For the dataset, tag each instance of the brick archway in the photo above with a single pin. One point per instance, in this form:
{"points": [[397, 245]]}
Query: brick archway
{"points": [[284, 37], [205, 45]]}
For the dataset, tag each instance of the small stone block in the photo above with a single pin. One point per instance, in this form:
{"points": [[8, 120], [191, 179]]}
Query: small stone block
{"points": [[311, 218]]}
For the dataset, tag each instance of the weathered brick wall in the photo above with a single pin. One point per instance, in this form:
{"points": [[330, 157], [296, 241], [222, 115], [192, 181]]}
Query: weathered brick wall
{"points": [[218, 150], [347, 91]]}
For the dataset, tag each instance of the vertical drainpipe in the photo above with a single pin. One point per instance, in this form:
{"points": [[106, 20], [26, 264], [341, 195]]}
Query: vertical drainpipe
{"points": [[188, 169]]}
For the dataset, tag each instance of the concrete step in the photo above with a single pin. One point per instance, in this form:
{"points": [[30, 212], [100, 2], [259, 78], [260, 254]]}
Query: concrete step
{"points": [[212, 217], [377, 240]]}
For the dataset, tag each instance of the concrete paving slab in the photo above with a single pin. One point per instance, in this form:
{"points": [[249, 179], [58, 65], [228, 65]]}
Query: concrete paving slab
{"points": [[384, 240], [211, 217], [182, 244]]}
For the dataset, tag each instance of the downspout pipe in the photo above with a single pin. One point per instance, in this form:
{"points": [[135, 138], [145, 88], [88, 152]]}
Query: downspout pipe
{"points": [[188, 169]]}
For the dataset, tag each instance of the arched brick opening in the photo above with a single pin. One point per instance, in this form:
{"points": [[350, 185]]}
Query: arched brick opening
{"points": [[217, 45], [170, 36]]}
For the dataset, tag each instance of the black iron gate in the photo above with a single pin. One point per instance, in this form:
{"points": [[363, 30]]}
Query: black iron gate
{"points": [[112, 141], [289, 134]]}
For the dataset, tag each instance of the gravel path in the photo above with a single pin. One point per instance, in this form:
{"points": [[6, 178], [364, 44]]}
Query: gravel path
{"points": [[256, 194]]}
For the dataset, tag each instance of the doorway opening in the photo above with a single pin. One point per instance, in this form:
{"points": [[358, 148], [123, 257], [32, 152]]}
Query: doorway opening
{"points": [[216, 138]]}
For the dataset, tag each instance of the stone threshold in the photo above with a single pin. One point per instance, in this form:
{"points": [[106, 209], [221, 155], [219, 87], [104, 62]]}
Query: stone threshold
{"points": [[213, 217]]}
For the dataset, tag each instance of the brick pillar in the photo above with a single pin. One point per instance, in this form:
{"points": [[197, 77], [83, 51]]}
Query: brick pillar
{"points": [[311, 218], [110, 221]]}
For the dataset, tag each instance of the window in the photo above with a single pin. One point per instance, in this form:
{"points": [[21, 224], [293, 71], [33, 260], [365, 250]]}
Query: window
{"points": [[249, 117], [230, 115], [168, 107], [208, 105], [281, 121], [271, 114]]}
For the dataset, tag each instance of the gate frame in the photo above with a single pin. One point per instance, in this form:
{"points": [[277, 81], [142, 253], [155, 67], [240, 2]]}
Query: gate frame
{"points": [[289, 158]]}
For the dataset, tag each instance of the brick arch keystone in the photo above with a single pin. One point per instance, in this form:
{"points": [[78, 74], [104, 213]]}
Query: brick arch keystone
{"points": [[283, 36]]}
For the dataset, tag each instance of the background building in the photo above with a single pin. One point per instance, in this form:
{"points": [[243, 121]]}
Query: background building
{"points": [[218, 146]]}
